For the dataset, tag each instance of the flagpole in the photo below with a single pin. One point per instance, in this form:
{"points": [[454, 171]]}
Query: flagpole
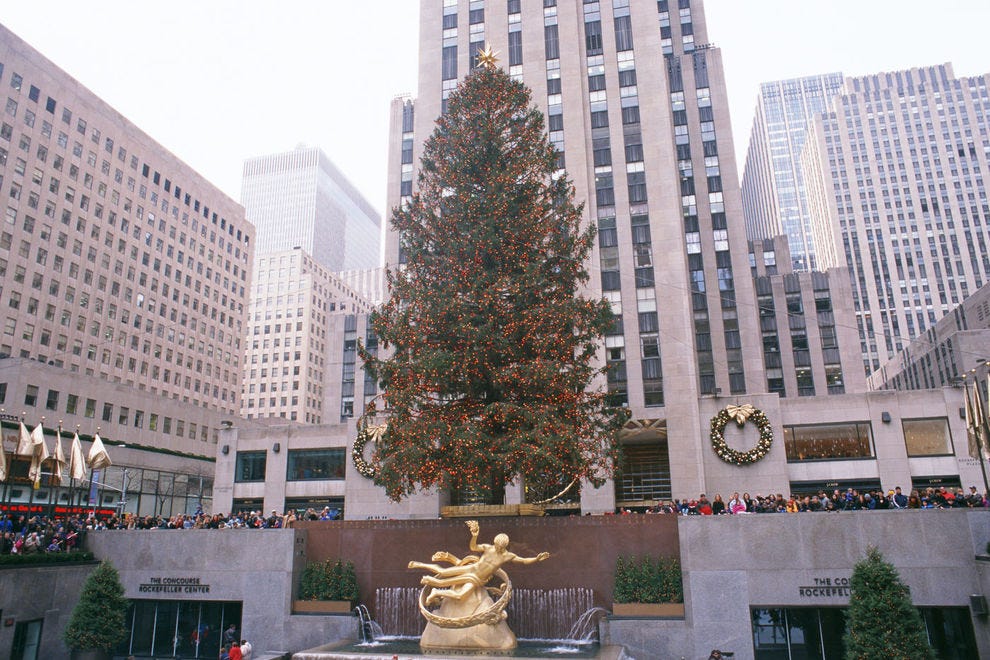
{"points": [[984, 435], [976, 424]]}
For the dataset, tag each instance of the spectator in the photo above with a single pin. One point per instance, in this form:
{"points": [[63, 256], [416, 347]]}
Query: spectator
{"points": [[718, 506]]}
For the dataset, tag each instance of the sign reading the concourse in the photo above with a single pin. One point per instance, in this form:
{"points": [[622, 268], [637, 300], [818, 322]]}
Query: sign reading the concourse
{"points": [[173, 585], [826, 587]]}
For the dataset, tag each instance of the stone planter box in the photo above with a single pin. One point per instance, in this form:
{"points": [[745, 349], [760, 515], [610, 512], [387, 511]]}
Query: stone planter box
{"points": [[322, 607], [479, 510], [658, 610]]}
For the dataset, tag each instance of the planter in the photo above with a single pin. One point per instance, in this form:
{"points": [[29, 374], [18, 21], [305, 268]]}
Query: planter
{"points": [[479, 510], [322, 607], [656, 610]]}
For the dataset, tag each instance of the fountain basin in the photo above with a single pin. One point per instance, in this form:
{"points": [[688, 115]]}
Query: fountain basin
{"points": [[408, 648]]}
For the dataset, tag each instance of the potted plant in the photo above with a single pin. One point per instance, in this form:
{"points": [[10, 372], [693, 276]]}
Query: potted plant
{"points": [[98, 621], [327, 587], [648, 587]]}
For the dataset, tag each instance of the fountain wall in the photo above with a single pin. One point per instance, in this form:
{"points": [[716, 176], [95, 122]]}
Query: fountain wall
{"points": [[583, 550]]}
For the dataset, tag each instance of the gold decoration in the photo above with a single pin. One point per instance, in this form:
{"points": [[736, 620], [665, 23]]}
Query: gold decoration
{"points": [[741, 414], [367, 433], [488, 57], [468, 616]]}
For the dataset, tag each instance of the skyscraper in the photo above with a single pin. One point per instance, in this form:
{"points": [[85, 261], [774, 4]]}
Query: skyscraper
{"points": [[300, 199], [124, 280], [637, 105], [773, 191], [895, 178], [288, 348]]}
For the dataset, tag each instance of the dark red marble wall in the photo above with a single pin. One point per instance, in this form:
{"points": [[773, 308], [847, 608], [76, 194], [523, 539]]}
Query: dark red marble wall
{"points": [[582, 550]]}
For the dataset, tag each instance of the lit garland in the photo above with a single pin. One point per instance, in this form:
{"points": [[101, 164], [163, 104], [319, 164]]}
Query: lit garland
{"points": [[741, 414]]}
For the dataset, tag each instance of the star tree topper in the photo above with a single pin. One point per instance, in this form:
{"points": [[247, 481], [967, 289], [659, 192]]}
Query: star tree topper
{"points": [[488, 57]]}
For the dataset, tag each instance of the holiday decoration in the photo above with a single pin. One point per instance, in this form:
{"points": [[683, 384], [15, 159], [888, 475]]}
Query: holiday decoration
{"points": [[741, 414], [882, 622], [487, 350]]}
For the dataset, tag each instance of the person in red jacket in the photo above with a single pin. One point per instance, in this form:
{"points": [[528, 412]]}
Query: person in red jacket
{"points": [[235, 651]]}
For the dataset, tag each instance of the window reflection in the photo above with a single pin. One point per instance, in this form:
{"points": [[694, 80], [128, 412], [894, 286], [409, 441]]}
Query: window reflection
{"points": [[927, 437], [828, 441]]}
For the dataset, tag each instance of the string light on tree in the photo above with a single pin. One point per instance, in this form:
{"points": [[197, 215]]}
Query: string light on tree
{"points": [[488, 350]]}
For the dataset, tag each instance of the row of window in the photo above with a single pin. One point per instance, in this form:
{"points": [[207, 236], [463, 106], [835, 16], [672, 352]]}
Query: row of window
{"points": [[301, 465], [122, 416]]}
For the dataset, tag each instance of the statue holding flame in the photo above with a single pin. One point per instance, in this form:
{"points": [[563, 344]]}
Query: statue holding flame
{"points": [[468, 617]]}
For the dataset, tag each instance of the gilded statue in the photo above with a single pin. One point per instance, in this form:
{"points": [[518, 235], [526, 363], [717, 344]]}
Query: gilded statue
{"points": [[467, 616]]}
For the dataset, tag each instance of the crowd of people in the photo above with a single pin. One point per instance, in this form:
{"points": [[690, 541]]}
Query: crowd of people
{"points": [[25, 534], [839, 500], [22, 534]]}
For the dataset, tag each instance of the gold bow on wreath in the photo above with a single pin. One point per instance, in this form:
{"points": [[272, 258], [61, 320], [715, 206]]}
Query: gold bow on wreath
{"points": [[740, 413]]}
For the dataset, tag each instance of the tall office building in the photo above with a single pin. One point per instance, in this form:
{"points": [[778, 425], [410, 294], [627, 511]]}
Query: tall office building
{"points": [[773, 192], [123, 277], [896, 188], [290, 340], [634, 98], [300, 199]]}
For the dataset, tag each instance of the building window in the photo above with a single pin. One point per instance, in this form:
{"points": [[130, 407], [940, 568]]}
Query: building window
{"points": [[31, 395], [821, 442], [927, 437], [315, 464], [250, 466], [52, 402]]}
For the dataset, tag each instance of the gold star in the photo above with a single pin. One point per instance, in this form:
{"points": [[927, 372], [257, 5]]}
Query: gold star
{"points": [[488, 57]]}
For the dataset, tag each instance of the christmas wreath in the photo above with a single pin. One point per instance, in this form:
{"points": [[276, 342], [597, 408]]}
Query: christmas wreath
{"points": [[367, 432], [740, 414]]}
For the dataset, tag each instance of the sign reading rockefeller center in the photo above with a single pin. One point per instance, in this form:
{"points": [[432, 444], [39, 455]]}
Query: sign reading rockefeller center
{"points": [[174, 585]]}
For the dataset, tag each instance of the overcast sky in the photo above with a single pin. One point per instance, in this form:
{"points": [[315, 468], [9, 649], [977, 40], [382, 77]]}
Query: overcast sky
{"points": [[218, 81]]}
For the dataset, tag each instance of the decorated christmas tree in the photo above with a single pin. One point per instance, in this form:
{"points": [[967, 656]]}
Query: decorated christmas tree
{"points": [[492, 372], [881, 621]]}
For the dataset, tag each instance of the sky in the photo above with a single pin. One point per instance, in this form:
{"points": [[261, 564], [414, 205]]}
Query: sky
{"points": [[220, 81]]}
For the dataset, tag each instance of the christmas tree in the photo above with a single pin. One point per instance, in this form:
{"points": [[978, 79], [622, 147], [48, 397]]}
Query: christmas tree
{"points": [[98, 619], [492, 358], [881, 621]]}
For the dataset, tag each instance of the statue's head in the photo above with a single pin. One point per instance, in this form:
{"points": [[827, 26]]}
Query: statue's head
{"points": [[502, 541]]}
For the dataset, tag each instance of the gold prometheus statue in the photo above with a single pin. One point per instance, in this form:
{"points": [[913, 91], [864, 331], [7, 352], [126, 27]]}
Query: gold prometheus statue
{"points": [[467, 616]]}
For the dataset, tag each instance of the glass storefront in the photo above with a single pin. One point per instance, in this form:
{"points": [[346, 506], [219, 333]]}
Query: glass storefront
{"points": [[815, 633], [116, 489], [178, 628]]}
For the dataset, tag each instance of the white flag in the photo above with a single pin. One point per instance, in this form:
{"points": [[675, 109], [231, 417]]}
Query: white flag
{"points": [[24, 444], [59, 459], [77, 464], [39, 454], [98, 456]]}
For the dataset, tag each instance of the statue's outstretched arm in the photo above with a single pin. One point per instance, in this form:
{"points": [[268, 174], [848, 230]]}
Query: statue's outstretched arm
{"points": [[531, 560]]}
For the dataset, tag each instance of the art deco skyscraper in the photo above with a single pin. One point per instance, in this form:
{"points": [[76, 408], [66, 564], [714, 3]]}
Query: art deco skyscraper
{"points": [[300, 199], [895, 172], [773, 190], [635, 99]]}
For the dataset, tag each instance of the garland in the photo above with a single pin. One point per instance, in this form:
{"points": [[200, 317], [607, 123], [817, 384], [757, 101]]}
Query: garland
{"points": [[741, 414]]}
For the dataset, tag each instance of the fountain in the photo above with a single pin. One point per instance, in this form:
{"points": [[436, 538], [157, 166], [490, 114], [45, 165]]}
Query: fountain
{"points": [[466, 616]]}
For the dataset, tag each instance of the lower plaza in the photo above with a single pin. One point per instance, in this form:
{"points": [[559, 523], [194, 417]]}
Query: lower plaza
{"points": [[760, 586]]}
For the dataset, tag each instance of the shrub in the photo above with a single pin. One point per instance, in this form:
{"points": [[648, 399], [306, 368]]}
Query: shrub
{"points": [[881, 621], [648, 580], [35, 558], [98, 619], [328, 580]]}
